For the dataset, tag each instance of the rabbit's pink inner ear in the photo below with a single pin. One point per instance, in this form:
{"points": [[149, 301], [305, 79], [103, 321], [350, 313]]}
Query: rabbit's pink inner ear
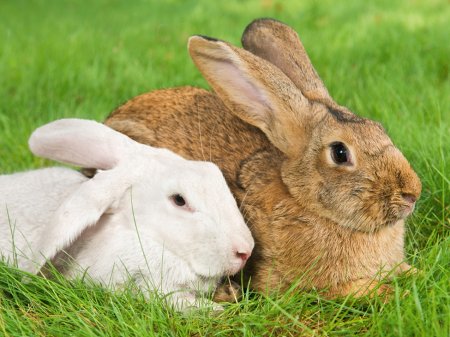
{"points": [[244, 93], [254, 90], [222, 69]]}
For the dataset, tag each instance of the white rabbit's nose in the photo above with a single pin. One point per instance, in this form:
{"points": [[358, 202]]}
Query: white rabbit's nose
{"points": [[239, 257], [243, 255]]}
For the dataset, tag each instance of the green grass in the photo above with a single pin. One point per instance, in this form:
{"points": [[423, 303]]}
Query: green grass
{"points": [[387, 60]]}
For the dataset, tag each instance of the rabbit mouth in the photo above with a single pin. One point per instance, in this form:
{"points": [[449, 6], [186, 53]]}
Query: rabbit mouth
{"points": [[209, 281], [234, 270], [209, 275], [380, 218], [398, 213], [408, 209], [402, 210]]}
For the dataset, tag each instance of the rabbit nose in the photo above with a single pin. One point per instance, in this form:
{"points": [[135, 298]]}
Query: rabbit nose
{"points": [[243, 255], [409, 198]]}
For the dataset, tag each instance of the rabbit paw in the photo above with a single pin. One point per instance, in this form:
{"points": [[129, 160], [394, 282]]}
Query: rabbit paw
{"points": [[362, 287], [406, 269], [229, 291], [188, 302]]}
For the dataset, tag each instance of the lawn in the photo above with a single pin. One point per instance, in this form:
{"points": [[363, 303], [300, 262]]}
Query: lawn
{"points": [[386, 60]]}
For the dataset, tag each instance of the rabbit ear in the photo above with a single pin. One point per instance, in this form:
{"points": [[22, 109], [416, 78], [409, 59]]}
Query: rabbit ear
{"points": [[89, 144], [82, 209], [80, 142], [254, 90], [279, 44]]}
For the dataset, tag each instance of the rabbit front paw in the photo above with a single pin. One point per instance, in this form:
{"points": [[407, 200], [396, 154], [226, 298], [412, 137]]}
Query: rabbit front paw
{"points": [[186, 302], [229, 291], [407, 269], [362, 287]]}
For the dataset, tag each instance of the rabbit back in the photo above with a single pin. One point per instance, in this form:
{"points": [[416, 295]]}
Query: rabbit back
{"points": [[192, 122]]}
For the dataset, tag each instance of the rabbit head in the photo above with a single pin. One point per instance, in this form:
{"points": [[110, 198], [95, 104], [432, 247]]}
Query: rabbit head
{"points": [[336, 164], [193, 214], [183, 205]]}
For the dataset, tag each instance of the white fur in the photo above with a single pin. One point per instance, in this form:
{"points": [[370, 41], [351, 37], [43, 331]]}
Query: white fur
{"points": [[121, 223]]}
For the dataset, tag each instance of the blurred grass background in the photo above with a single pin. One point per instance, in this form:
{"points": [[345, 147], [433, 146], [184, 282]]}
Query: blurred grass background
{"points": [[387, 60]]}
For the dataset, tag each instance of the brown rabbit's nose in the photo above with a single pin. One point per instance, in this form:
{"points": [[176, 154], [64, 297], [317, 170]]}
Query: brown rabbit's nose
{"points": [[409, 198]]}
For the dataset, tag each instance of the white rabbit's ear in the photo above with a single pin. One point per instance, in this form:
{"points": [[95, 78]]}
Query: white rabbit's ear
{"points": [[255, 90], [279, 44], [82, 209], [80, 142]]}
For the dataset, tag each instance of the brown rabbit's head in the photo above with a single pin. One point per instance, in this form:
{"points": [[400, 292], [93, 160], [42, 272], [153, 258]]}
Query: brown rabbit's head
{"points": [[351, 173], [337, 164]]}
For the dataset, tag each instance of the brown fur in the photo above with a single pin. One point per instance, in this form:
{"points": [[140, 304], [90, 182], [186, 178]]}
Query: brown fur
{"points": [[228, 291], [269, 128]]}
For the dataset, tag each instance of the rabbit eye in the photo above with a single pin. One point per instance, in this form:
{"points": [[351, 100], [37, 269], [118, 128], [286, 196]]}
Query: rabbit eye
{"points": [[178, 200], [340, 153]]}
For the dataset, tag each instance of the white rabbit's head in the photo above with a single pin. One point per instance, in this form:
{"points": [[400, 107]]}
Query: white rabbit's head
{"points": [[185, 206]]}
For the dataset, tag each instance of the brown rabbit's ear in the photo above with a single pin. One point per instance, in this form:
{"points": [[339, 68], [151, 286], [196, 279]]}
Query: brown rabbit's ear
{"points": [[279, 44], [254, 90]]}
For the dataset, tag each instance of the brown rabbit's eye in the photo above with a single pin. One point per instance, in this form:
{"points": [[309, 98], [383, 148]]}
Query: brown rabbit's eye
{"points": [[178, 200], [339, 153]]}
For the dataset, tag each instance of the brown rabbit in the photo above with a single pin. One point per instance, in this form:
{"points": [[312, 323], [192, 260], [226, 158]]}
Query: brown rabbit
{"points": [[325, 192]]}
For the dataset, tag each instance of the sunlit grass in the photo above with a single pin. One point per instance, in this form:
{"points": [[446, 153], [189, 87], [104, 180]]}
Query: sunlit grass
{"points": [[387, 60]]}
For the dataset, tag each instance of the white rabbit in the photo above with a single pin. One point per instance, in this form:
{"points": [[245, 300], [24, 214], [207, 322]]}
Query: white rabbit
{"points": [[147, 214]]}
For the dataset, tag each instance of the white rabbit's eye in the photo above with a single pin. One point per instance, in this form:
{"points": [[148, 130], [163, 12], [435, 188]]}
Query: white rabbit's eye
{"points": [[340, 153], [178, 200]]}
